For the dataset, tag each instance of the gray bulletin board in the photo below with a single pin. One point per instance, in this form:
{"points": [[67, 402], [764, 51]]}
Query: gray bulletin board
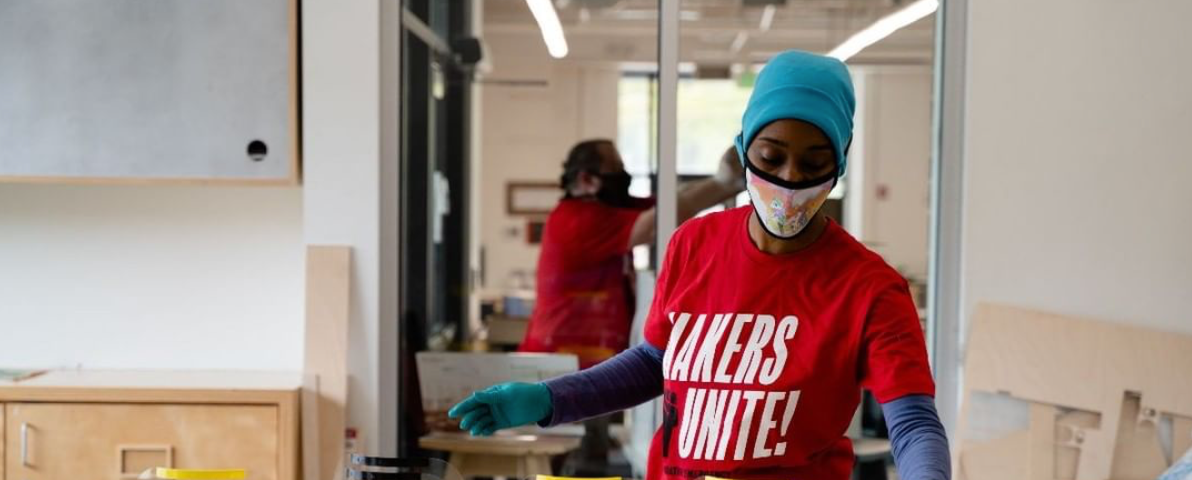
{"points": [[149, 90]]}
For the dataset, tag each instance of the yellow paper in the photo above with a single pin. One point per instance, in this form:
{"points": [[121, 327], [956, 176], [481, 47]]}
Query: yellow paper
{"points": [[178, 474]]}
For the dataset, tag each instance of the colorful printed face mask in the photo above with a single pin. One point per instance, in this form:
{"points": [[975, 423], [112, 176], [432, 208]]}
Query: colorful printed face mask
{"points": [[785, 208]]}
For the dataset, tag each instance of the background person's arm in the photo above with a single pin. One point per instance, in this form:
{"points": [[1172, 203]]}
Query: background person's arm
{"points": [[695, 197]]}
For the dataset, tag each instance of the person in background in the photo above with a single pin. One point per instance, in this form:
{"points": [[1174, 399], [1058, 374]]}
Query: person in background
{"points": [[767, 320], [585, 275]]}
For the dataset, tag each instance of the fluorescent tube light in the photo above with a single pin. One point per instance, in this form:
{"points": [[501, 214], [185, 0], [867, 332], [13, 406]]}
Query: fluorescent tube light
{"points": [[548, 22], [738, 42], [767, 18], [652, 14], [883, 28]]}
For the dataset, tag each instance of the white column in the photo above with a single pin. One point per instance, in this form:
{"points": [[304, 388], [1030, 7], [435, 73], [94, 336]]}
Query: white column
{"points": [[944, 334], [350, 90], [668, 92]]}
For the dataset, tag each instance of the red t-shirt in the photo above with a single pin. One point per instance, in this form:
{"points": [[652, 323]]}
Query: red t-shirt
{"points": [[766, 355], [585, 281]]}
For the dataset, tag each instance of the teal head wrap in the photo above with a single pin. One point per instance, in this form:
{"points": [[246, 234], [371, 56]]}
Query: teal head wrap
{"points": [[802, 86]]}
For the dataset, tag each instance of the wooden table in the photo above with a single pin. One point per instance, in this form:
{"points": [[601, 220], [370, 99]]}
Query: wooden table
{"points": [[517, 456]]}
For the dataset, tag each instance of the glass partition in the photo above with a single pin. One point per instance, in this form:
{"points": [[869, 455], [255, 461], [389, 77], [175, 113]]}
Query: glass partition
{"points": [[554, 75], [665, 85]]}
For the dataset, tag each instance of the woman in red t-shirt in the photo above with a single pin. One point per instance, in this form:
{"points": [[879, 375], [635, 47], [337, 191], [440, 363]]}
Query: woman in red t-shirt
{"points": [[767, 320]]}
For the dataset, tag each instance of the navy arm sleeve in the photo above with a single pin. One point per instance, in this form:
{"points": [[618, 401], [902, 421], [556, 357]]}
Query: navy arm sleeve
{"points": [[629, 379], [917, 438]]}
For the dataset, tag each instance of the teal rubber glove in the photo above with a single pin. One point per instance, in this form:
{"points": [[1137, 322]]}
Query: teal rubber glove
{"points": [[502, 406]]}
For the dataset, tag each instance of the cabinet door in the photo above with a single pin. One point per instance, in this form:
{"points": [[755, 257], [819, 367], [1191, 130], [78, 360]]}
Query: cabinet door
{"points": [[116, 441], [163, 90]]}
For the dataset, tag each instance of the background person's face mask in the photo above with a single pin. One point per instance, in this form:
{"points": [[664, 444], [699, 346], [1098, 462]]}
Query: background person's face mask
{"points": [[614, 188], [785, 208]]}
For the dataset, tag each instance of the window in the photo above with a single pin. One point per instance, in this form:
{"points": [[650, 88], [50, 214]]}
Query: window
{"points": [[709, 117], [637, 129], [709, 114]]}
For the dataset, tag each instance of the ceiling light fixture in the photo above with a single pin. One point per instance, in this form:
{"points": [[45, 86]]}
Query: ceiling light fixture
{"points": [[738, 42], [767, 18], [651, 14], [548, 22], [883, 28]]}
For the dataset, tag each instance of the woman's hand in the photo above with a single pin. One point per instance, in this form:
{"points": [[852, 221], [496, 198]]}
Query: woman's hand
{"points": [[730, 174], [503, 406]]}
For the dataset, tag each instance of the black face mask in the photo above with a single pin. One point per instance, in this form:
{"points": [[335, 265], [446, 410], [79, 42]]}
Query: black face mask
{"points": [[614, 189]]}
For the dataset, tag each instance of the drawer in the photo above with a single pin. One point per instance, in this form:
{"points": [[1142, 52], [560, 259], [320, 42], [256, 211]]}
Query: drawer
{"points": [[115, 441]]}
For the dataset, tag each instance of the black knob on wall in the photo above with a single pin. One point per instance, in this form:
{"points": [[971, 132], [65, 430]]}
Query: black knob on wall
{"points": [[257, 150]]}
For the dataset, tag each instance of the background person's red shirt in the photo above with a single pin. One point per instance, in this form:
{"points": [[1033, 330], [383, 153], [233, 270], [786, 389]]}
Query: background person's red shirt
{"points": [[766, 355], [585, 281]]}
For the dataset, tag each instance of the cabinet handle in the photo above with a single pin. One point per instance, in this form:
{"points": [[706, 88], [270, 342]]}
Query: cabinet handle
{"points": [[25, 445], [165, 460]]}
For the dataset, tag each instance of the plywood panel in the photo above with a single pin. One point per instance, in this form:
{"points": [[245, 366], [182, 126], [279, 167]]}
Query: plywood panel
{"points": [[987, 460], [2, 441], [289, 434], [998, 351], [328, 296], [1139, 452], [1067, 451], [1076, 362], [84, 440], [1181, 436], [1110, 370], [1042, 442], [102, 90]]}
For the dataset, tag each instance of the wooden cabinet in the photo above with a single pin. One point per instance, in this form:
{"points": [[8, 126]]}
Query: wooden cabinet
{"points": [[174, 91], [119, 441], [112, 425]]}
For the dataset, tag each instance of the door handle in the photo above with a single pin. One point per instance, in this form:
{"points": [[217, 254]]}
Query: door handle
{"points": [[25, 427]]}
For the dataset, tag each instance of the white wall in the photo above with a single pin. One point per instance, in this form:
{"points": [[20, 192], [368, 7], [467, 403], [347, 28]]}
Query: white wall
{"points": [[136, 277], [177, 277], [526, 133], [1078, 132], [892, 152]]}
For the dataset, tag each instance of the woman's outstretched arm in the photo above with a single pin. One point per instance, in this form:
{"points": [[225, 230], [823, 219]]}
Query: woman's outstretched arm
{"points": [[629, 379]]}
